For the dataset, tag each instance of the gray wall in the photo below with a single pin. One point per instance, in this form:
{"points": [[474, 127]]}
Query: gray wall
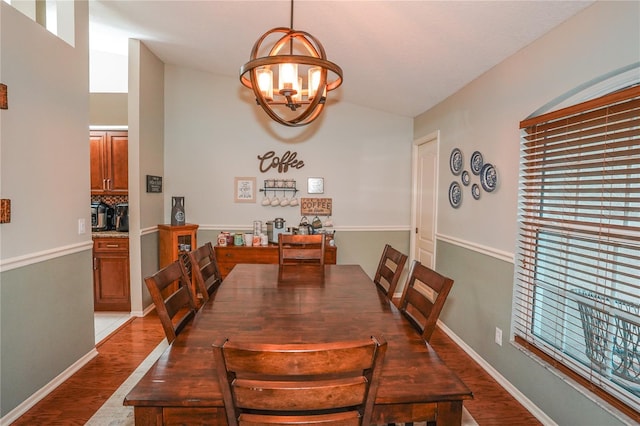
{"points": [[477, 241], [46, 322]]}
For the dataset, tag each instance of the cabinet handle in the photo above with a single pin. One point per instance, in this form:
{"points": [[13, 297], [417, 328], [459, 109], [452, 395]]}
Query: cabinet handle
{"points": [[104, 184], [95, 262], [109, 184], [113, 245]]}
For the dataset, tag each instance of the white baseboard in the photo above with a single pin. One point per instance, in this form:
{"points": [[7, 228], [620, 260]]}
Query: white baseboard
{"points": [[27, 404], [519, 396]]}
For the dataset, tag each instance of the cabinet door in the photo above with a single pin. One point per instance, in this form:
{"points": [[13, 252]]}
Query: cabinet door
{"points": [[109, 162], [111, 274], [98, 172], [118, 147], [111, 282]]}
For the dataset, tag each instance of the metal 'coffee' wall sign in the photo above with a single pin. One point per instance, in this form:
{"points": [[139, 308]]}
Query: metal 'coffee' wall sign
{"points": [[316, 206], [269, 160]]}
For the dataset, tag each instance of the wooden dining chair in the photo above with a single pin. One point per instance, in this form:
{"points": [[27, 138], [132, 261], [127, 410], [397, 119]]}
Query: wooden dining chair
{"points": [[300, 249], [423, 297], [389, 270], [204, 267], [170, 290], [311, 383]]}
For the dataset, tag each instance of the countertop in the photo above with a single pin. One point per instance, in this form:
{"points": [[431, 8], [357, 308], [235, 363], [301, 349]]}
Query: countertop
{"points": [[109, 234]]}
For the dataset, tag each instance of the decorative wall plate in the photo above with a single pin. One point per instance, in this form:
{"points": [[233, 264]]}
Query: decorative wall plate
{"points": [[455, 195], [455, 161], [465, 178], [489, 177], [476, 162], [475, 191]]}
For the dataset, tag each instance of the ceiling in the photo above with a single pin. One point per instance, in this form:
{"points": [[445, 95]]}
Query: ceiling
{"points": [[402, 57]]}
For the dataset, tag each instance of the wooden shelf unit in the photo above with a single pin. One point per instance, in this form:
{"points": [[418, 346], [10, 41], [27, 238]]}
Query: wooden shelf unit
{"points": [[230, 256], [175, 243]]}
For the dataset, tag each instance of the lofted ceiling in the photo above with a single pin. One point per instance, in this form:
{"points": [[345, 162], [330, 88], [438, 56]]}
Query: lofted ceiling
{"points": [[402, 57]]}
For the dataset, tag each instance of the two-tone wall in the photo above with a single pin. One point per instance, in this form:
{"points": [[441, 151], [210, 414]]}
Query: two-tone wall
{"points": [[46, 291], [477, 240]]}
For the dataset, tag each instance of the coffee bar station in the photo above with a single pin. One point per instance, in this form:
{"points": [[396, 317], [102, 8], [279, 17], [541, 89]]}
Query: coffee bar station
{"points": [[260, 244]]}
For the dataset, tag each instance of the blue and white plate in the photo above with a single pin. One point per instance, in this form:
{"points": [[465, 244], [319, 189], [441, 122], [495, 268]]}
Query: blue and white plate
{"points": [[455, 195], [475, 191], [489, 177], [466, 179], [476, 162], [455, 161]]}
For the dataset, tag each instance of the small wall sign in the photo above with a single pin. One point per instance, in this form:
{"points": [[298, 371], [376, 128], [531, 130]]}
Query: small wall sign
{"points": [[316, 206], [154, 183], [245, 190], [5, 210], [315, 186]]}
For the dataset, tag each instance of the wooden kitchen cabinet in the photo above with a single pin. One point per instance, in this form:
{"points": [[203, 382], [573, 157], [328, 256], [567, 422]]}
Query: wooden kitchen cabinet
{"points": [[230, 256], [111, 274], [109, 153]]}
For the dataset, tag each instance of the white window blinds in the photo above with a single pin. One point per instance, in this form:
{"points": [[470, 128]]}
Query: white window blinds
{"points": [[577, 295]]}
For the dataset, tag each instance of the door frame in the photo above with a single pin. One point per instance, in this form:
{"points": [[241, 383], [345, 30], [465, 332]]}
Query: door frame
{"points": [[431, 137]]}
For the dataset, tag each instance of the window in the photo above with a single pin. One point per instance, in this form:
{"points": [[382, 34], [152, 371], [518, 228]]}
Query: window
{"points": [[56, 16], [577, 294]]}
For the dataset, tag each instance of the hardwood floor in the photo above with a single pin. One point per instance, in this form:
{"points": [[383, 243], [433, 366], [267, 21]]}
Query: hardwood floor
{"points": [[77, 399]]}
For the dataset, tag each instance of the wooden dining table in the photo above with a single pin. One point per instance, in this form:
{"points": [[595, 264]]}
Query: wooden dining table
{"points": [[303, 307]]}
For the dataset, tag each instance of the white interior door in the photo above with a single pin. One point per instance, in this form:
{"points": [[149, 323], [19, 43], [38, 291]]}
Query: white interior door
{"points": [[425, 183]]}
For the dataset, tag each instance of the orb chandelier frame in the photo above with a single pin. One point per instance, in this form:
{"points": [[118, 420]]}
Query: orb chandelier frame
{"points": [[290, 105]]}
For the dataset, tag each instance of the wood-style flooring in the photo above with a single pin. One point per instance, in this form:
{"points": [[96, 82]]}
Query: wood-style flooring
{"points": [[78, 398]]}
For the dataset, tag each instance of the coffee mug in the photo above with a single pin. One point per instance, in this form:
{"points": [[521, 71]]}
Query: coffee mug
{"points": [[248, 240], [266, 201], [293, 202], [285, 202], [275, 201]]}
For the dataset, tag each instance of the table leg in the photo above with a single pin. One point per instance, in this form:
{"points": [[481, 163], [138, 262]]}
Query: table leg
{"points": [[147, 416], [449, 413]]}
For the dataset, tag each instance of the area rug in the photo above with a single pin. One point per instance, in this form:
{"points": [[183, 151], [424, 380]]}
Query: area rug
{"points": [[113, 413]]}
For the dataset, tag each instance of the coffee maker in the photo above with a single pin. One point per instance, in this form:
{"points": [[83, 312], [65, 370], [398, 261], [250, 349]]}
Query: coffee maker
{"points": [[274, 228], [101, 215]]}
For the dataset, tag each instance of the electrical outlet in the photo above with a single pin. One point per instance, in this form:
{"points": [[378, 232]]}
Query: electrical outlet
{"points": [[82, 228], [498, 336]]}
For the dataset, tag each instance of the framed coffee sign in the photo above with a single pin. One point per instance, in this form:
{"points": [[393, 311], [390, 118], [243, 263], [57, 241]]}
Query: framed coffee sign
{"points": [[316, 206]]}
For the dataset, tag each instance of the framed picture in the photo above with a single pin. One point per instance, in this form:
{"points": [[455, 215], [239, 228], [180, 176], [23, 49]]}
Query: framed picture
{"points": [[315, 185], [154, 183], [245, 189]]}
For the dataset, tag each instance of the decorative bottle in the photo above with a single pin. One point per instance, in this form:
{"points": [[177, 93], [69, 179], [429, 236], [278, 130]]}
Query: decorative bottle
{"points": [[177, 211]]}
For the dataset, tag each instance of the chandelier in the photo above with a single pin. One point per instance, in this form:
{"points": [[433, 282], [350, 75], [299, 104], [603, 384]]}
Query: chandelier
{"points": [[302, 74]]}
